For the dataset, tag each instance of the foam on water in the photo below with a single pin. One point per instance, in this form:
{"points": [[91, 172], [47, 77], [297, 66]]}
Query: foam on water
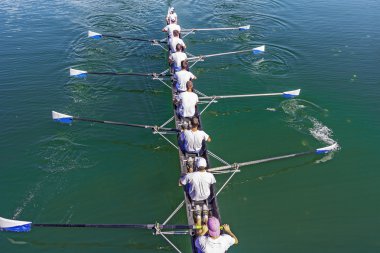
{"points": [[304, 117]]}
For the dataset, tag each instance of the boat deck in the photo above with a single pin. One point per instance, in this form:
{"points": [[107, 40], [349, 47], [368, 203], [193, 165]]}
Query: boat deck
{"points": [[183, 160]]}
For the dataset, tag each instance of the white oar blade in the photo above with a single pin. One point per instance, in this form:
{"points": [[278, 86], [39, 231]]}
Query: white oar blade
{"points": [[259, 50], [78, 73], [60, 117], [327, 149], [244, 28], [15, 225], [291, 94], [94, 35]]}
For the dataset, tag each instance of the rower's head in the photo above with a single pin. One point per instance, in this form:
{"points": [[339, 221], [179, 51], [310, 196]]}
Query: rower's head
{"points": [[213, 225], [179, 48], [189, 86], [171, 10], [172, 20], [201, 163], [184, 64], [194, 122], [176, 33]]}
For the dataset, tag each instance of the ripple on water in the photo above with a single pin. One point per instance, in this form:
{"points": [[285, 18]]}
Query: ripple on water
{"points": [[58, 155], [276, 61]]}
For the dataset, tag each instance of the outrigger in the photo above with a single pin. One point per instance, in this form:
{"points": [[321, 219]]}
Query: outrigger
{"points": [[162, 130]]}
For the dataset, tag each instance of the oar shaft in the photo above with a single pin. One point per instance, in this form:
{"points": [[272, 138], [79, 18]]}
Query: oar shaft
{"points": [[220, 54], [124, 124], [210, 29], [120, 74], [142, 226], [126, 74], [241, 96], [260, 161], [128, 38], [112, 122]]}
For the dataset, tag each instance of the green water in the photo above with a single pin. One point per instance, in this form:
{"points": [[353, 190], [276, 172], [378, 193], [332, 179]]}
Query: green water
{"points": [[89, 173]]}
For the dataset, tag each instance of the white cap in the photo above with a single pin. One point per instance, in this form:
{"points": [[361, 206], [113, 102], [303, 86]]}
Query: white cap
{"points": [[201, 162], [171, 9]]}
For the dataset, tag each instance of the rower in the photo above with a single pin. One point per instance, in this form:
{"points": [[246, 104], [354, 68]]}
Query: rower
{"points": [[171, 15], [181, 77], [176, 58], [171, 27], [187, 102], [173, 41], [192, 140], [199, 183], [214, 241]]}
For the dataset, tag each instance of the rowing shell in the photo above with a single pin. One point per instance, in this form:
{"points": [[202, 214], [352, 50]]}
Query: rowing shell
{"points": [[212, 202], [25, 226]]}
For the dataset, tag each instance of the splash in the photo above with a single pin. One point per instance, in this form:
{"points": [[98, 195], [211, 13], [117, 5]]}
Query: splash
{"points": [[303, 116]]}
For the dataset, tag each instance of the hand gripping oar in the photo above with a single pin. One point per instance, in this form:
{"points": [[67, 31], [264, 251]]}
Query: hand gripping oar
{"points": [[82, 73], [323, 150], [285, 94], [256, 50], [68, 119], [26, 226], [240, 28], [95, 35]]}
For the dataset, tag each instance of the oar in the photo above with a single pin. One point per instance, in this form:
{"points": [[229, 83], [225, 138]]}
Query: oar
{"points": [[82, 73], [240, 28], [256, 50], [95, 35], [323, 150], [26, 226], [68, 119], [285, 94]]}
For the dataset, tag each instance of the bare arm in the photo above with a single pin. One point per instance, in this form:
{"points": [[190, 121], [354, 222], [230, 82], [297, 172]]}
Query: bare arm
{"points": [[202, 231], [228, 231]]}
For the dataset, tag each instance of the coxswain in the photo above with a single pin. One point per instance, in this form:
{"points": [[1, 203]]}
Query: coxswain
{"points": [[187, 102], [214, 241], [192, 139], [176, 58], [173, 41], [171, 27], [198, 187], [171, 15], [181, 77]]}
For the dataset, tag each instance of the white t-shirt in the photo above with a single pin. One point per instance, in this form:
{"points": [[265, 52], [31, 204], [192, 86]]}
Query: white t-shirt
{"points": [[170, 28], [178, 57], [200, 183], [206, 244], [173, 41], [170, 16], [193, 140], [188, 100], [182, 78]]}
